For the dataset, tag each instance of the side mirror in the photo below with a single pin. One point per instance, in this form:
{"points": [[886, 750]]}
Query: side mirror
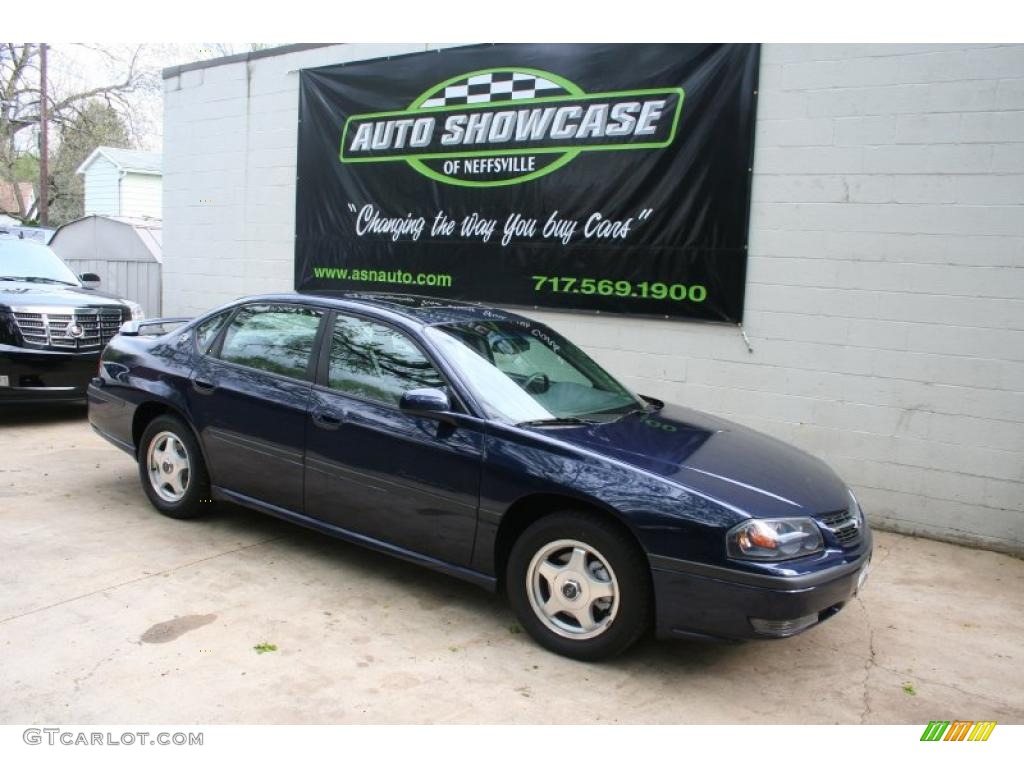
{"points": [[433, 403], [91, 279]]}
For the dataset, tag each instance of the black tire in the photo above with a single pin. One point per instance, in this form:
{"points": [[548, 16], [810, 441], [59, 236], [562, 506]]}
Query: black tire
{"points": [[195, 500], [608, 543]]}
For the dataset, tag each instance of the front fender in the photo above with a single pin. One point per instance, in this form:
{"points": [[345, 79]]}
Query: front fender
{"points": [[666, 518]]}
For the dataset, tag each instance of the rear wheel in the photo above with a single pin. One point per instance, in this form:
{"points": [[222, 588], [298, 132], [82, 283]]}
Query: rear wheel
{"points": [[172, 470], [579, 586]]}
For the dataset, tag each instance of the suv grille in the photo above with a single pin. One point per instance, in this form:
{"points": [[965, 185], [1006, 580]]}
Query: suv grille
{"points": [[78, 329], [844, 526]]}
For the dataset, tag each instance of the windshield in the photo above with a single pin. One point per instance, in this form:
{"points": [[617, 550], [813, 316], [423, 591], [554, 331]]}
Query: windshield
{"points": [[34, 262], [520, 371]]}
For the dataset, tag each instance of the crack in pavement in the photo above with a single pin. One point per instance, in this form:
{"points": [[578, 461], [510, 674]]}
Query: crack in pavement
{"points": [[141, 578], [941, 684], [884, 551], [82, 678], [869, 662]]}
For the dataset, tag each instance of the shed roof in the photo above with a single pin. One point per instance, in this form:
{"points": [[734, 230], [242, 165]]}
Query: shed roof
{"points": [[128, 160], [117, 238]]}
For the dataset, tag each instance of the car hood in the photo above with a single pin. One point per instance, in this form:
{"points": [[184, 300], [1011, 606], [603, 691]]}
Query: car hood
{"points": [[729, 463], [16, 293]]}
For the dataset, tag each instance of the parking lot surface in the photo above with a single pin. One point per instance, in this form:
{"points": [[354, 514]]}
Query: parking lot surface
{"points": [[111, 613]]}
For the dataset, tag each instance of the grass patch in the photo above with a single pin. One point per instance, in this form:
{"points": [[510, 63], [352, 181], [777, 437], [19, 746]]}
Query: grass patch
{"points": [[908, 688], [264, 648]]}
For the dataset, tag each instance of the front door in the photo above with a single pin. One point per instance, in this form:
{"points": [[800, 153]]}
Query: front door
{"points": [[378, 471]]}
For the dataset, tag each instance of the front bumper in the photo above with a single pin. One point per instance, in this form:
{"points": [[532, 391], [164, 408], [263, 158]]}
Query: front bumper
{"points": [[698, 601], [36, 375]]}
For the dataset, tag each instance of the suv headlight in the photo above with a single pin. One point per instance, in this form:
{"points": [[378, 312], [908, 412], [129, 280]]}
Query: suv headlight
{"points": [[137, 313], [777, 539]]}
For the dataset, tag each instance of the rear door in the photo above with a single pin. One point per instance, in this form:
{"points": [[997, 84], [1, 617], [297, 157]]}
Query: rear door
{"points": [[249, 396], [376, 470]]}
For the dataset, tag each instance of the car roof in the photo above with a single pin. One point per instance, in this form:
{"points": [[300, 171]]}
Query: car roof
{"points": [[420, 310]]}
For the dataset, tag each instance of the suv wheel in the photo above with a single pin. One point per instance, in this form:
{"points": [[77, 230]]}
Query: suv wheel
{"points": [[171, 469], [579, 586]]}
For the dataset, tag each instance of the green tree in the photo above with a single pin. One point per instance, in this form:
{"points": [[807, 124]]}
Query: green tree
{"points": [[26, 168], [97, 124]]}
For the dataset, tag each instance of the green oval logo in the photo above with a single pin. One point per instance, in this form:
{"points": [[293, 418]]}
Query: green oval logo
{"points": [[509, 125]]}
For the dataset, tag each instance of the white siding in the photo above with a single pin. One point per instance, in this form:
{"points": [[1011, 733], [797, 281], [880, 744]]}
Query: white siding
{"points": [[138, 281], [141, 195], [101, 188], [885, 295]]}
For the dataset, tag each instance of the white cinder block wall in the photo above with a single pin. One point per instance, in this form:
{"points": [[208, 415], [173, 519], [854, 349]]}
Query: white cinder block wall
{"points": [[885, 292]]}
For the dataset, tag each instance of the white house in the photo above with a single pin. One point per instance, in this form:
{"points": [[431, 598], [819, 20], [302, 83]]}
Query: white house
{"points": [[123, 182]]}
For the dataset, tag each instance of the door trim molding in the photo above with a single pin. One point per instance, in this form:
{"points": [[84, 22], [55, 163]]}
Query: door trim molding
{"points": [[490, 583]]}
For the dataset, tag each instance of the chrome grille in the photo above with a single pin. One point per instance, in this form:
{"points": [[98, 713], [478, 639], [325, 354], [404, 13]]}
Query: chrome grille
{"points": [[58, 336], [844, 526], [42, 328], [32, 327]]}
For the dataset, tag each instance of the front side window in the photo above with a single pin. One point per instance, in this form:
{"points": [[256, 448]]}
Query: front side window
{"points": [[376, 362], [521, 371], [275, 338], [207, 331]]}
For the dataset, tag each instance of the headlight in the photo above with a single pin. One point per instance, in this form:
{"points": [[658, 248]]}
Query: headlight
{"points": [[778, 539], [855, 510], [137, 313]]}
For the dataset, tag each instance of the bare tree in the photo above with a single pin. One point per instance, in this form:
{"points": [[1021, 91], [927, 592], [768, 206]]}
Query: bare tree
{"points": [[97, 125], [66, 102]]}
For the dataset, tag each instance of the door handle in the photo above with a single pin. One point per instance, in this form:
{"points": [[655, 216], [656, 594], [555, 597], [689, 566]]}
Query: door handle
{"points": [[203, 387], [327, 419]]}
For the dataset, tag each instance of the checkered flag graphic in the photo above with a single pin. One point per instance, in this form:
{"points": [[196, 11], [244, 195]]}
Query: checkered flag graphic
{"points": [[494, 86]]}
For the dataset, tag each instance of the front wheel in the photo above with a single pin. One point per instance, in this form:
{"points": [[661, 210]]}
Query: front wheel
{"points": [[172, 470], [579, 586]]}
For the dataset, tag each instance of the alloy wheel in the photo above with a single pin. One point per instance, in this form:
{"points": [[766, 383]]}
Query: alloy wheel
{"points": [[572, 589], [168, 463]]}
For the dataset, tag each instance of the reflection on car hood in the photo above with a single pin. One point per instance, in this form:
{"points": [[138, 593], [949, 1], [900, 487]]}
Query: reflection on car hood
{"points": [[723, 460], [22, 294]]}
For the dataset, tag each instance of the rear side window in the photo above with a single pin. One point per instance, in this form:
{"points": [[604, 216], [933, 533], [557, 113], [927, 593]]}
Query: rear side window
{"points": [[377, 362], [207, 331], [269, 337]]}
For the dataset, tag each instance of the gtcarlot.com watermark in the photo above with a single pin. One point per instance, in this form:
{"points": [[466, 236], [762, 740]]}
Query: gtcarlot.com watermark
{"points": [[69, 738]]}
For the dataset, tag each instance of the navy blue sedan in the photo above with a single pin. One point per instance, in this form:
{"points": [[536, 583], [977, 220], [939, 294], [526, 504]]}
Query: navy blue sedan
{"points": [[485, 445]]}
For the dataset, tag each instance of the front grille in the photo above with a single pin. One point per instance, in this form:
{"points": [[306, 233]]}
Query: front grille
{"points": [[32, 326], [58, 336], [844, 526], [77, 330]]}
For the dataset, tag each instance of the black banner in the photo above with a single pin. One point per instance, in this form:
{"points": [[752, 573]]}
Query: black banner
{"points": [[588, 177]]}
